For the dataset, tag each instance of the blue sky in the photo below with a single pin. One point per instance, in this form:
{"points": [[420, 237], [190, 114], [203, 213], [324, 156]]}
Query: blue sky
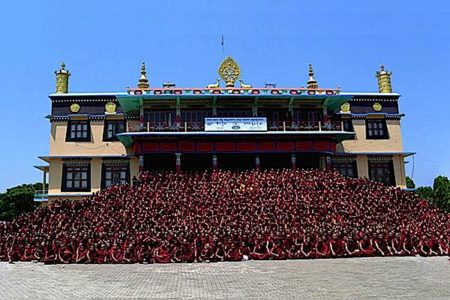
{"points": [[103, 43]]}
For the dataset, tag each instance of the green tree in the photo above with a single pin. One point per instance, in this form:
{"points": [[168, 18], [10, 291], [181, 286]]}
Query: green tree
{"points": [[18, 200], [441, 188], [426, 192], [410, 183]]}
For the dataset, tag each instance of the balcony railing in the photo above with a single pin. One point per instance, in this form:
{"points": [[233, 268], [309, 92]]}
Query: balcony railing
{"points": [[271, 126]]}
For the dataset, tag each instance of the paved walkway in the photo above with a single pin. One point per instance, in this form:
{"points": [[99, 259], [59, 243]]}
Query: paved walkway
{"points": [[363, 278]]}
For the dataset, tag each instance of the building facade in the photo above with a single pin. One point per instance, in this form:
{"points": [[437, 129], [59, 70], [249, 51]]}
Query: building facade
{"points": [[103, 139]]}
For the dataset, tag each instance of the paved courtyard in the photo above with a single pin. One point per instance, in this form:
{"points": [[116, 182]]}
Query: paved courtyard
{"points": [[363, 278]]}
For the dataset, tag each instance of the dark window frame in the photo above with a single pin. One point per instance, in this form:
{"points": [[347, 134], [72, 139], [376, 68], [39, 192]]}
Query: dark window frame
{"points": [[378, 132], [118, 168], [348, 127], [106, 130], [77, 131], [195, 116], [225, 112], [74, 169], [384, 167], [344, 168], [160, 116]]}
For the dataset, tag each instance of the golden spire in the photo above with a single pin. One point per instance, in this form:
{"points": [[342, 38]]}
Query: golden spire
{"points": [[384, 80], [143, 81], [312, 82], [62, 80], [229, 71]]}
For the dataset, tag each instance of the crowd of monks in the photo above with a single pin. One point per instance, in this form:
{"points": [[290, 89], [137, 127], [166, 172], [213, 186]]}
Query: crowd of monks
{"points": [[221, 215]]}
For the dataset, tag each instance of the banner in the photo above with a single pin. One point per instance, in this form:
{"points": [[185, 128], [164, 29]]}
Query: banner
{"points": [[235, 124]]}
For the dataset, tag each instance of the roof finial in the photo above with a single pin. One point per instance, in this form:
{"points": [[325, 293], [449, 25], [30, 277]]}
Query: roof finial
{"points": [[62, 80], [384, 80], [312, 82], [143, 81], [229, 71]]}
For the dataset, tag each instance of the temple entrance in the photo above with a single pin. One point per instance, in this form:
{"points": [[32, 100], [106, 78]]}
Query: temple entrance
{"points": [[159, 162], [196, 162], [275, 161], [236, 161], [308, 161]]}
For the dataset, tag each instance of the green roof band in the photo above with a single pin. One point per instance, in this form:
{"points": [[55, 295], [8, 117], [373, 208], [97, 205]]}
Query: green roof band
{"points": [[132, 104]]}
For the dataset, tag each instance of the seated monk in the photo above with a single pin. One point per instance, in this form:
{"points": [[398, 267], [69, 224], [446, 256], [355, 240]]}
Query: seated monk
{"points": [[233, 254], [244, 251], [187, 252], [91, 255], [337, 248], [116, 254], [307, 250], [260, 251], [206, 253], [162, 255], [352, 248], [128, 255], [143, 255], [81, 255], [28, 253], [322, 249], [294, 252], [366, 247], [102, 255], [65, 254], [38, 254], [219, 254], [50, 256]]}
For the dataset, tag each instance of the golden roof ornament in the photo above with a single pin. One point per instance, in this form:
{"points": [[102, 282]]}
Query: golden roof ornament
{"points": [[62, 80], [143, 81], [312, 82], [110, 108], [229, 71], [384, 80]]}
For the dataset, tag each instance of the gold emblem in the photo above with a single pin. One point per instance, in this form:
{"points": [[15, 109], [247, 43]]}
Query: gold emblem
{"points": [[377, 106], [229, 71], [75, 107], [110, 108], [345, 108]]}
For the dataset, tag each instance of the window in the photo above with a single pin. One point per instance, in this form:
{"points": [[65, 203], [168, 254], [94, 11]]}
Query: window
{"points": [[160, 117], [115, 174], [112, 128], [376, 129], [346, 168], [235, 113], [308, 115], [76, 178], [78, 131], [196, 116], [382, 172], [348, 125]]}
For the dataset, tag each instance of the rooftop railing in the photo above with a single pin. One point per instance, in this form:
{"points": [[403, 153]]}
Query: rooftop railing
{"points": [[271, 126]]}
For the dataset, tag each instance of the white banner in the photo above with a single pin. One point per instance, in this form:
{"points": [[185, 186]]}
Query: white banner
{"points": [[235, 124]]}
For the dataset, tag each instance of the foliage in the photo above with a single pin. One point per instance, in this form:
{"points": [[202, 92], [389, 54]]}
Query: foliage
{"points": [[439, 194], [410, 183], [18, 200]]}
